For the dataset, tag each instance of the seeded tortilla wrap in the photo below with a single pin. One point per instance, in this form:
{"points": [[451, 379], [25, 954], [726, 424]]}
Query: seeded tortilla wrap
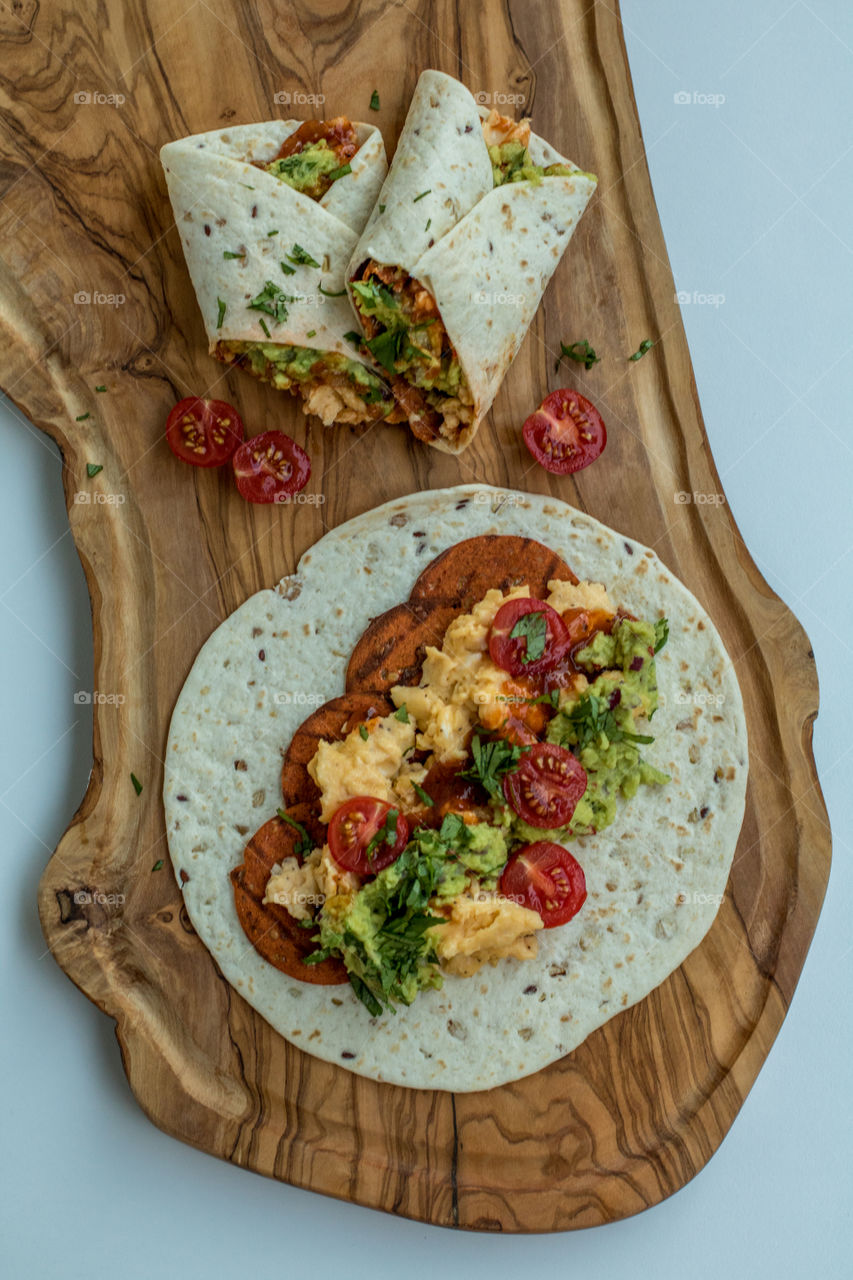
{"points": [[239, 223], [484, 252], [655, 877]]}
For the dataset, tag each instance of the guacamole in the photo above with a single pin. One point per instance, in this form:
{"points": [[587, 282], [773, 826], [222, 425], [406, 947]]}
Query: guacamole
{"points": [[285, 366], [382, 932], [419, 349], [311, 170], [511, 163]]}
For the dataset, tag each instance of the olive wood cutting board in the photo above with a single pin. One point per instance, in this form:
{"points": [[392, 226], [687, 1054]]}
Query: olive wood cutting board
{"points": [[89, 94]]}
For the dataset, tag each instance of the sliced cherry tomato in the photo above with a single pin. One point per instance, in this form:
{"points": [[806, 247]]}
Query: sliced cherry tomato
{"points": [[510, 652], [565, 433], [271, 467], [546, 786], [203, 432], [546, 878], [354, 825]]}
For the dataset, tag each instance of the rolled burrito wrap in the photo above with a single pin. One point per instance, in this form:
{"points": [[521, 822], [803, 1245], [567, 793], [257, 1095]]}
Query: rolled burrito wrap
{"points": [[224, 204], [484, 253]]}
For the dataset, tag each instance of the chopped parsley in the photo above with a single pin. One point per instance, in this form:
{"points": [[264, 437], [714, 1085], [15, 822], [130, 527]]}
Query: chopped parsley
{"points": [[304, 844], [661, 633], [137, 785], [382, 208], [301, 257], [263, 325], [493, 760], [272, 301], [532, 628], [422, 795], [221, 315], [272, 233], [100, 388], [589, 718], [387, 834], [402, 714], [228, 255], [82, 417], [352, 336], [428, 224], [158, 865], [580, 352], [288, 271], [645, 345], [362, 729], [341, 172], [92, 469], [311, 333], [374, 100], [327, 293], [421, 196]]}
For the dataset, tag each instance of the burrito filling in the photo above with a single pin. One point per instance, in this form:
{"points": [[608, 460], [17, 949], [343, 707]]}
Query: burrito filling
{"points": [[508, 141], [458, 788], [331, 385], [314, 156]]}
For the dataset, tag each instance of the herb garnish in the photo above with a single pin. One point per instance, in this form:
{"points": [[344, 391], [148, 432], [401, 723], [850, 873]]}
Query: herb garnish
{"points": [[352, 336], [363, 732], [82, 417], [272, 233], [645, 345], [661, 633], [382, 208], [288, 271], [100, 388], [137, 785], [304, 844], [533, 628], [301, 257], [493, 760], [222, 309], [341, 172], [590, 717], [92, 469], [387, 834], [421, 196], [272, 301], [228, 255], [374, 100], [422, 795], [158, 865], [263, 325], [311, 333], [327, 293], [580, 352], [402, 714]]}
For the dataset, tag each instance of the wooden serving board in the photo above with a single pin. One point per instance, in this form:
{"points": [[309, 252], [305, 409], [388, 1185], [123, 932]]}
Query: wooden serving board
{"points": [[632, 1114]]}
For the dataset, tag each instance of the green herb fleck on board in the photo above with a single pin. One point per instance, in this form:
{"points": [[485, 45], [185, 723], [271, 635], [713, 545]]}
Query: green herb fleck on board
{"points": [[137, 785], [82, 417], [580, 352], [158, 865], [374, 100], [92, 469], [100, 388], [645, 345]]}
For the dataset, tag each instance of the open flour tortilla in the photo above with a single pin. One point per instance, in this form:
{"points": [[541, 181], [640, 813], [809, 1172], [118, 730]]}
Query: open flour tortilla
{"points": [[225, 204], [654, 878], [485, 253]]}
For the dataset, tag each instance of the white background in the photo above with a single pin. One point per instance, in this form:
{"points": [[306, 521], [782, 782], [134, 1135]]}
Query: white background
{"points": [[755, 196]]}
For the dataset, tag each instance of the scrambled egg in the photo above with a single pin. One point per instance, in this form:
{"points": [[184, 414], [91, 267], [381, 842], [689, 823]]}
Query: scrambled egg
{"points": [[484, 928], [301, 889], [368, 765], [462, 687]]}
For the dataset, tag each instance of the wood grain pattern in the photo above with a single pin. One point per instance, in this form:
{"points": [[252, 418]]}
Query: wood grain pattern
{"points": [[633, 1113]]}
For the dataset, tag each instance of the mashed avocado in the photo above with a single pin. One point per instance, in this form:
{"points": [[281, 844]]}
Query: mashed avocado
{"points": [[511, 163], [283, 366], [406, 347], [309, 171], [381, 932]]}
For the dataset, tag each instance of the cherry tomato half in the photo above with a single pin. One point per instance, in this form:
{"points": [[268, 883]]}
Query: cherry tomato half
{"points": [[352, 828], [510, 652], [546, 786], [204, 433], [565, 433], [547, 879], [271, 467]]}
